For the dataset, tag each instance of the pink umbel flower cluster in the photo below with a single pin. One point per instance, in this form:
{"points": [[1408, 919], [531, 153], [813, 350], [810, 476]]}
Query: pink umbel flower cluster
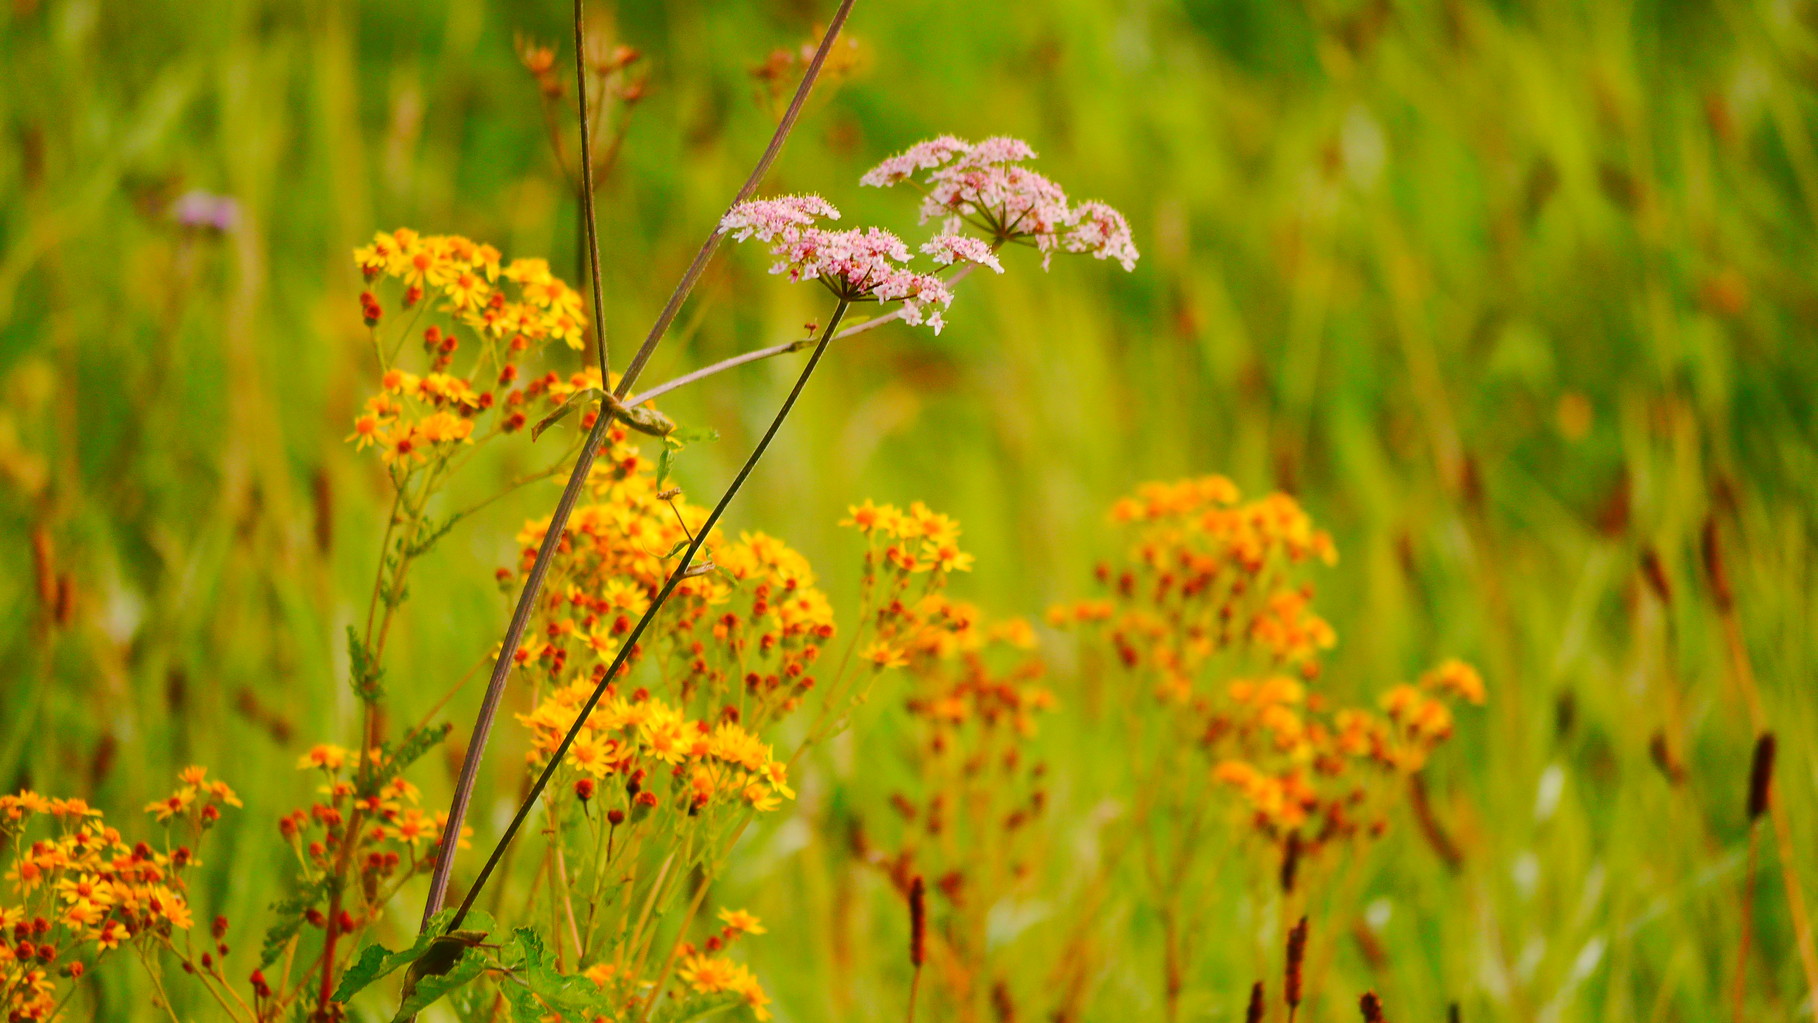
{"points": [[984, 185], [988, 185], [857, 265]]}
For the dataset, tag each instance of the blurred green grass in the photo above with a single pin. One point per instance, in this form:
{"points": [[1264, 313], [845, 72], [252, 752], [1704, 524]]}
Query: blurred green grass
{"points": [[1383, 243]]}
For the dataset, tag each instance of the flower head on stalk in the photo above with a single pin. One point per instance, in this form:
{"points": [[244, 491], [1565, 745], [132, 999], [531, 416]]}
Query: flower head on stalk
{"points": [[856, 265], [988, 186]]}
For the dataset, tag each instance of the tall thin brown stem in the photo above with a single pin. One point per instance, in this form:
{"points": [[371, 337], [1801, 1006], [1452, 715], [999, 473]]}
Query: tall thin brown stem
{"points": [[514, 633], [676, 575], [593, 228]]}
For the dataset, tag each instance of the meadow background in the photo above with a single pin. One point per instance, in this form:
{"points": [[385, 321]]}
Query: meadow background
{"points": [[1508, 294]]}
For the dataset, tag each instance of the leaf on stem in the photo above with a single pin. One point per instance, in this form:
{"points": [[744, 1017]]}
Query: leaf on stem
{"points": [[586, 396], [443, 952], [290, 918], [540, 987], [365, 673]]}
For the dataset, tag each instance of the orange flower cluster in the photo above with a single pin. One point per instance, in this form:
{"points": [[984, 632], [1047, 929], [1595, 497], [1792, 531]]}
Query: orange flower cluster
{"points": [[396, 839], [1209, 578], [1211, 611], [502, 312], [646, 741], [81, 892], [736, 643], [975, 695], [909, 557]]}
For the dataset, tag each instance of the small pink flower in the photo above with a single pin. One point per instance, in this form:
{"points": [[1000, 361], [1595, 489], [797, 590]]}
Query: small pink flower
{"points": [[1000, 149], [1103, 232], [921, 156], [768, 218], [857, 265], [950, 248]]}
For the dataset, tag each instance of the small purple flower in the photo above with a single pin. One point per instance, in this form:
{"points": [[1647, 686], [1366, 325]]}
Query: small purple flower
{"points": [[199, 210]]}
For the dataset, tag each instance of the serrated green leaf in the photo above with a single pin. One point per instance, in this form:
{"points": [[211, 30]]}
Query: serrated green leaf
{"points": [[537, 986], [369, 967], [363, 674], [422, 546], [421, 992], [376, 961], [409, 751], [581, 398], [680, 546], [290, 912]]}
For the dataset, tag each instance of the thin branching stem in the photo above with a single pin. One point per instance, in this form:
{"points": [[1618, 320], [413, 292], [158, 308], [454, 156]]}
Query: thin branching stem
{"points": [[696, 268], [593, 228], [630, 643], [558, 522], [774, 350]]}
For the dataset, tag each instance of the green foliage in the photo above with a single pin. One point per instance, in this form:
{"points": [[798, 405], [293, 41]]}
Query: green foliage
{"points": [[397, 761], [533, 987], [365, 674], [1389, 248], [432, 958], [289, 913]]}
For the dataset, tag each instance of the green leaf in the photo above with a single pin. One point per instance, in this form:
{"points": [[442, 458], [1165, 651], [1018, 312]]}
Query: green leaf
{"points": [[290, 918], [409, 751], [364, 673], [369, 967], [426, 989], [665, 462], [579, 399], [422, 546], [377, 961], [538, 987]]}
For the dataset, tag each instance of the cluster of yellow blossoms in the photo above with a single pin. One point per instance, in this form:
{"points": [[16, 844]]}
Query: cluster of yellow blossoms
{"points": [[707, 971], [702, 971], [1211, 610], [645, 740], [909, 558], [467, 275], [82, 891], [503, 312], [974, 696]]}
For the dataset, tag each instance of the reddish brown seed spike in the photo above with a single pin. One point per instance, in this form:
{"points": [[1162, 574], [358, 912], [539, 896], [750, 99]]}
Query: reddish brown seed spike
{"points": [[1297, 955], [1761, 776], [1655, 573], [1714, 569], [1371, 1006], [1290, 862], [918, 922], [1255, 1013]]}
